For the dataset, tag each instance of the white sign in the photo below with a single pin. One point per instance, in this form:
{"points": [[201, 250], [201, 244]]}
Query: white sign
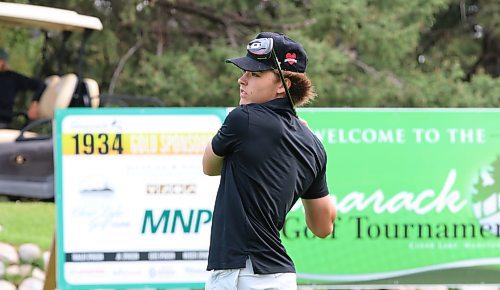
{"points": [[134, 205]]}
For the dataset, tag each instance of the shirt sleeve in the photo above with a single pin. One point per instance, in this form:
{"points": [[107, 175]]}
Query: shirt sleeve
{"points": [[230, 135], [319, 187], [25, 83]]}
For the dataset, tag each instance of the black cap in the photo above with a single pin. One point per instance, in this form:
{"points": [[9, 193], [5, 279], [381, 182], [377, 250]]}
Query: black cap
{"points": [[4, 55], [291, 55]]}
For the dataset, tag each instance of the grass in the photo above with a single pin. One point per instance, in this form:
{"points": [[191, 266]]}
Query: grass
{"points": [[27, 222]]}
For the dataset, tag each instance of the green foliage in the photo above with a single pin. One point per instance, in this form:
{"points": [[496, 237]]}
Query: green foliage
{"points": [[23, 46], [327, 67], [363, 53], [189, 78]]}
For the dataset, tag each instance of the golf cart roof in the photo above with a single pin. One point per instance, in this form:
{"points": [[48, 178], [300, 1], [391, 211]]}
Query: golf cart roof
{"points": [[46, 18]]}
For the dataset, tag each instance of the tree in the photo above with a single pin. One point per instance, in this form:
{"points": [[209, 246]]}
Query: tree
{"points": [[385, 53]]}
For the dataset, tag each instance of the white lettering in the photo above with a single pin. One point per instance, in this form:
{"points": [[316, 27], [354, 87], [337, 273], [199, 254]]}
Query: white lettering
{"points": [[421, 203], [417, 204], [361, 136]]}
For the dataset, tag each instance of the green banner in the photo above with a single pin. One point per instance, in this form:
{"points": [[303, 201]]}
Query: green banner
{"points": [[418, 198]]}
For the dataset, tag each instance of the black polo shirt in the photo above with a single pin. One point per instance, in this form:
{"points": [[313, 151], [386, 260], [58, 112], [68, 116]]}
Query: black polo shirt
{"points": [[270, 160]]}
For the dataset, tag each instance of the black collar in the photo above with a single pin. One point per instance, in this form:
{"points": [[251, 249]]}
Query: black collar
{"points": [[280, 104]]}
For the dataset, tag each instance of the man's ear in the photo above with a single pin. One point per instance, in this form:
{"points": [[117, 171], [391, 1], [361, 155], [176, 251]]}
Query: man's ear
{"points": [[281, 89]]}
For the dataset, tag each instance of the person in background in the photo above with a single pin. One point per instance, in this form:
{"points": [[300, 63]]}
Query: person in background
{"points": [[11, 83], [267, 158]]}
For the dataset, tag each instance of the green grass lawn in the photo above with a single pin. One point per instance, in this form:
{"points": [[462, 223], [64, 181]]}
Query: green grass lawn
{"points": [[27, 222]]}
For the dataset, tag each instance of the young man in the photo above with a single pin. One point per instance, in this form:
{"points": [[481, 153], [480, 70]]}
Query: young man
{"points": [[267, 159], [10, 84]]}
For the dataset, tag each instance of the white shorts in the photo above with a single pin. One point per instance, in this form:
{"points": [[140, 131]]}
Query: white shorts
{"points": [[246, 279]]}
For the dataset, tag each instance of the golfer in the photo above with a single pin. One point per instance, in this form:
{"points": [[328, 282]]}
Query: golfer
{"points": [[267, 158]]}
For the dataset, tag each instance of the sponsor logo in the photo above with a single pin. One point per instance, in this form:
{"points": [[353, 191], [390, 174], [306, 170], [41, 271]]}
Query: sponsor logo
{"points": [[486, 197], [291, 58], [171, 188], [176, 221]]}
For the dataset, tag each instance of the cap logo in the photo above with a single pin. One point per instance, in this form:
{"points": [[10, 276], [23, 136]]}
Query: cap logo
{"points": [[291, 58]]}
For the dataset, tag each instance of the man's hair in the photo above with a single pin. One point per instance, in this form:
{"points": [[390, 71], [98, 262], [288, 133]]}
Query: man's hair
{"points": [[302, 89]]}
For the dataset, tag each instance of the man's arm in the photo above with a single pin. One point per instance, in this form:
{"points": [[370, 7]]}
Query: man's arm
{"points": [[25, 83], [227, 140], [320, 215], [212, 164]]}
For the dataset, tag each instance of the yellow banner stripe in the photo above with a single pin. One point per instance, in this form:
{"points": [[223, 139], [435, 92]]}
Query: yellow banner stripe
{"points": [[135, 143]]}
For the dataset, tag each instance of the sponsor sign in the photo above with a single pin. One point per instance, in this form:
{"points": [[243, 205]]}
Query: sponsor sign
{"points": [[418, 198], [417, 193], [134, 208]]}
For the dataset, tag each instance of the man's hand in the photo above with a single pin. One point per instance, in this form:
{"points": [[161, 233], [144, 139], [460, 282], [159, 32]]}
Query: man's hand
{"points": [[33, 113]]}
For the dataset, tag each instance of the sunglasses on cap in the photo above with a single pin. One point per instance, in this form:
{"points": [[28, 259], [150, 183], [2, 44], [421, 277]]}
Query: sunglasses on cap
{"points": [[262, 48]]}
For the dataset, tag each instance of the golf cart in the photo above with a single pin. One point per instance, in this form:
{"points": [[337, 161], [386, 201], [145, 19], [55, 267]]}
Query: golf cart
{"points": [[26, 158]]}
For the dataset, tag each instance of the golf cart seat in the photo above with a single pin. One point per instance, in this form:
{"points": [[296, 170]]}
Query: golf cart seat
{"points": [[92, 89], [57, 94]]}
